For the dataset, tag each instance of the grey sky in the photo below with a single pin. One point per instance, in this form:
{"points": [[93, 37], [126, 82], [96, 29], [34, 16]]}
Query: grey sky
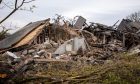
{"points": [[101, 11]]}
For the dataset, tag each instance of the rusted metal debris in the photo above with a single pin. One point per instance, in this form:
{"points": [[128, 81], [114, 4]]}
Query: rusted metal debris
{"points": [[42, 41]]}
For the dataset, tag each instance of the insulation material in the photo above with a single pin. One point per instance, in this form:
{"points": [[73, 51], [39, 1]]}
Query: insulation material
{"points": [[68, 47], [79, 43]]}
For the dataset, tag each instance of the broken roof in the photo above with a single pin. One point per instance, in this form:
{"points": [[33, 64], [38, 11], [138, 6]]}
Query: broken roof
{"points": [[129, 26], [17, 36]]}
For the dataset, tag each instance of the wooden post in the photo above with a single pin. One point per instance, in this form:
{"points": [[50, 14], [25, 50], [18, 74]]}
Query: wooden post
{"points": [[44, 36], [123, 39], [37, 39], [104, 39]]}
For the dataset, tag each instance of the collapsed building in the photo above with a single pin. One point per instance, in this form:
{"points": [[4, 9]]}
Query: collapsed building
{"points": [[43, 41], [35, 33], [130, 31], [42, 34]]}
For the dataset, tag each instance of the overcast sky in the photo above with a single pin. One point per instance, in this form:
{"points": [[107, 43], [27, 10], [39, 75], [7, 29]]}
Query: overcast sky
{"points": [[101, 11]]}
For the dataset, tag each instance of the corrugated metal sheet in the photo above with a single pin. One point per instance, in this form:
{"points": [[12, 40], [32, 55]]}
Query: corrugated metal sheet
{"points": [[17, 36]]}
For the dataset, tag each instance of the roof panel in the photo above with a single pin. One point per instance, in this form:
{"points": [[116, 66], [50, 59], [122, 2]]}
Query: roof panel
{"points": [[17, 36]]}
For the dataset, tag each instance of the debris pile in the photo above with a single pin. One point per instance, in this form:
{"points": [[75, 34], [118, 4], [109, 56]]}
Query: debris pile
{"points": [[44, 42]]}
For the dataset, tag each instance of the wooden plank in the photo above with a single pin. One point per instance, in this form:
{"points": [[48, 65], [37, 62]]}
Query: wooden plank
{"points": [[29, 37], [49, 60]]}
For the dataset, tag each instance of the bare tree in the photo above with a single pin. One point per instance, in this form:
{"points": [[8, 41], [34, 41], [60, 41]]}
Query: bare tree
{"points": [[3, 33], [16, 6], [134, 16], [0, 1]]}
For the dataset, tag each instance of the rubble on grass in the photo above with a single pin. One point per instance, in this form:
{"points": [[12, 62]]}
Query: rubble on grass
{"points": [[45, 42]]}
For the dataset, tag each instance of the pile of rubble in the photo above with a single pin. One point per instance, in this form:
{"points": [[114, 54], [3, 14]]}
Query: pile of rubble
{"points": [[42, 41]]}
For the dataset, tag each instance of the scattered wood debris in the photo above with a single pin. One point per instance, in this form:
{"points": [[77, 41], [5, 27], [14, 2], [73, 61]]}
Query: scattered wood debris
{"points": [[44, 42]]}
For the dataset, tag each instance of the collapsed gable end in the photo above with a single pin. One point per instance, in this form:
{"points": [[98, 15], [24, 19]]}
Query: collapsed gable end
{"points": [[24, 35]]}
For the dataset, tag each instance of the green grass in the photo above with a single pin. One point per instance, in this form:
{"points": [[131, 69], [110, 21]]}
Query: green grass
{"points": [[124, 69]]}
